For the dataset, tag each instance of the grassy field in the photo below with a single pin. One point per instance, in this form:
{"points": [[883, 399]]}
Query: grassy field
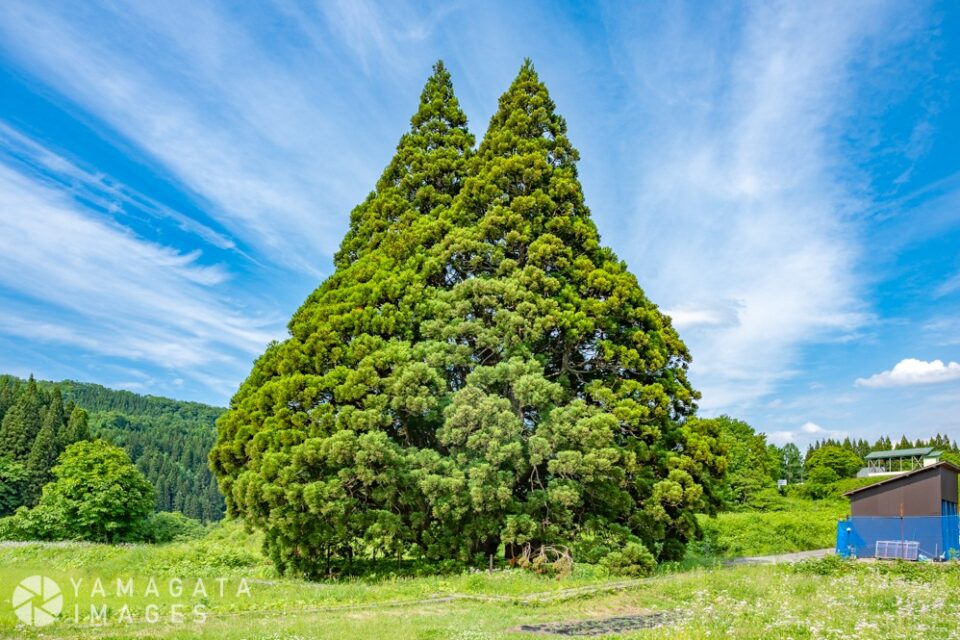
{"points": [[817, 599]]}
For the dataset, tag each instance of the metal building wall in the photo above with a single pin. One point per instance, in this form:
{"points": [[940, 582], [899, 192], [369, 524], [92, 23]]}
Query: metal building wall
{"points": [[938, 536], [920, 495]]}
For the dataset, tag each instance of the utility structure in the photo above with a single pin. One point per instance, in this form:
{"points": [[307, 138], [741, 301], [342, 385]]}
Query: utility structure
{"points": [[908, 514], [899, 461]]}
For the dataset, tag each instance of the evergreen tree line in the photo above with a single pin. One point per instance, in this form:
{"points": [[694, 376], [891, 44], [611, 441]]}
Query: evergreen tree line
{"points": [[167, 440], [862, 447], [99, 399], [35, 427], [172, 454], [754, 465]]}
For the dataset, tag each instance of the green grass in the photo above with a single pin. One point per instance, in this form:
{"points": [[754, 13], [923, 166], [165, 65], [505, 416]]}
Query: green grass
{"points": [[817, 599]]}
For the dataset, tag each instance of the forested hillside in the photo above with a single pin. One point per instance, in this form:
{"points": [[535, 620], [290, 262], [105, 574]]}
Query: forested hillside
{"points": [[168, 440]]}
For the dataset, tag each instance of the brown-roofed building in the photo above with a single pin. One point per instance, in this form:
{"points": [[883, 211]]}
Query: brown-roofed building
{"points": [[921, 492], [911, 515]]}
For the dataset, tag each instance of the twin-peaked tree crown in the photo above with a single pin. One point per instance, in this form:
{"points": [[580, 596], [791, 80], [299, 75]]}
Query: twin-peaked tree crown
{"points": [[479, 373]]}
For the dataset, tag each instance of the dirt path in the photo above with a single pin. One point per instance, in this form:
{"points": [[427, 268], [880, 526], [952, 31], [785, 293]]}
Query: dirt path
{"points": [[781, 557]]}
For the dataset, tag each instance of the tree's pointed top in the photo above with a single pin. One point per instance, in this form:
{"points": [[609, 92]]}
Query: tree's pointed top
{"points": [[526, 120], [426, 171], [437, 101]]}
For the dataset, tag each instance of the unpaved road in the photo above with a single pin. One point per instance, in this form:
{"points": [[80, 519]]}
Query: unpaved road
{"points": [[782, 557]]}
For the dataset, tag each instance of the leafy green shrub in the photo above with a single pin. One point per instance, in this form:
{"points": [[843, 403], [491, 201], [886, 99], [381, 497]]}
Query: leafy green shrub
{"points": [[634, 560], [831, 565], [821, 491], [843, 462], [822, 476], [169, 526], [98, 495], [801, 526], [765, 500], [43, 522], [599, 538]]}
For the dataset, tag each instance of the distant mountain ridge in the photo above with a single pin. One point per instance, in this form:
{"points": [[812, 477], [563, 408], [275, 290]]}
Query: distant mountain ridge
{"points": [[167, 439]]}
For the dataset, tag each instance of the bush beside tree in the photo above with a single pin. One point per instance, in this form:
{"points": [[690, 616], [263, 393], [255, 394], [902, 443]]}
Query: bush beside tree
{"points": [[170, 526]]}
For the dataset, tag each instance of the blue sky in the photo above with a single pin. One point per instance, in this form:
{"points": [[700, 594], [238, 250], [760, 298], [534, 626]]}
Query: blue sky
{"points": [[783, 178]]}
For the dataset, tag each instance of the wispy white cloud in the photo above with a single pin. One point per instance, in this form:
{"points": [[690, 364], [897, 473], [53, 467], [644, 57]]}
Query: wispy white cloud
{"points": [[372, 30], [72, 279], [812, 428], [911, 371], [781, 438], [944, 331], [805, 434], [273, 141], [717, 315], [96, 189], [948, 286], [743, 227]]}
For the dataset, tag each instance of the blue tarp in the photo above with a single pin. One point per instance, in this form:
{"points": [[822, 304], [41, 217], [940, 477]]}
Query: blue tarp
{"points": [[937, 535]]}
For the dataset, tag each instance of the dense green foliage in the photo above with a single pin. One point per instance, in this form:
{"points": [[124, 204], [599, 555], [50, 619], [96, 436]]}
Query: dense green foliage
{"points": [[791, 464], [168, 526], [171, 451], [13, 485], [35, 427], [168, 440], [842, 463], [97, 494], [829, 487], [752, 466], [478, 373], [785, 525]]}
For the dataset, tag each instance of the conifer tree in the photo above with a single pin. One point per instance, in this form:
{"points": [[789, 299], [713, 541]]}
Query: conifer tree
{"points": [[55, 412], [77, 428], [425, 173], [347, 337], [563, 341], [46, 448], [21, 424], [43, 457], [478, 373], [7, 391], [13, 483]]}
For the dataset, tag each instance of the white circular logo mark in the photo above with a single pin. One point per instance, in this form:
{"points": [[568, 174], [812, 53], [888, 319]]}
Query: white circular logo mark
{"points": [[37, 601]]}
